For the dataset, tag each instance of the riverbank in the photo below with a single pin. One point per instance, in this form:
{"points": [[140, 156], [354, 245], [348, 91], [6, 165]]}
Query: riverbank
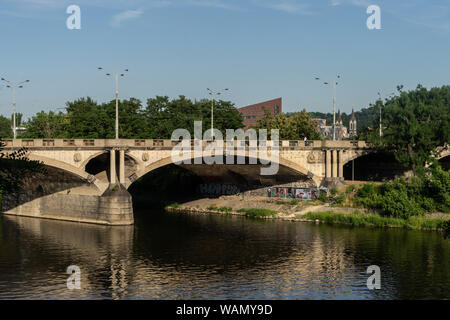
{"points": [[317, 212]]}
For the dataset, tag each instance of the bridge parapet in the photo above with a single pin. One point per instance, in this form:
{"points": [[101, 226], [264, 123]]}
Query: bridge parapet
{"points": [[169, 144]]}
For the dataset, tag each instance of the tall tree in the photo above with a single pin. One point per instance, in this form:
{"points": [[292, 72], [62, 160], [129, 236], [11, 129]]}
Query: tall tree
{"points": [[47, 125], [296, 126], [5, 127], [415, 124]]}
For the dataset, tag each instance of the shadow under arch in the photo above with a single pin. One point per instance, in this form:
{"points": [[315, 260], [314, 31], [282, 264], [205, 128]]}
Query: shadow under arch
{"points": [[373, 166], [282, 162]]}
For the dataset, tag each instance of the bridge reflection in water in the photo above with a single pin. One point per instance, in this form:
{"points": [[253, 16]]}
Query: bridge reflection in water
{"points": [[180, 256]]}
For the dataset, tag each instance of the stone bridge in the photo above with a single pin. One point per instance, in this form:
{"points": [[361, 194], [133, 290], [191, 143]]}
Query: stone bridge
{"points": [[90, 177]]}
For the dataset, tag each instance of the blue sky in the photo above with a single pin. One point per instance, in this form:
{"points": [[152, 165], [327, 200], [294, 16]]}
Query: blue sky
{"points": [[260, 49]]}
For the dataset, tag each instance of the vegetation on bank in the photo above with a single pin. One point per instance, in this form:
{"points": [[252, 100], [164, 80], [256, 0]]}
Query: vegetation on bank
{"points": [[375, 220], [403, 198], [257, 212], [220, 209]]}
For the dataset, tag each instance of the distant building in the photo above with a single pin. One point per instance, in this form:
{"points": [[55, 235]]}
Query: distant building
{"points": [[352, 125], [341, 131], [254, 112]]}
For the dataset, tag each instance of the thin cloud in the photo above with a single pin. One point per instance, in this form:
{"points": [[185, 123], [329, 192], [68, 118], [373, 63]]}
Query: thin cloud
{"points": [[293, 7], [212, 4], [127, 15]]}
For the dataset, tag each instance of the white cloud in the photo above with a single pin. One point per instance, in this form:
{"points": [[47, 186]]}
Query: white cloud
{"points": [[117, 19], [335, 3], [212, 4]]}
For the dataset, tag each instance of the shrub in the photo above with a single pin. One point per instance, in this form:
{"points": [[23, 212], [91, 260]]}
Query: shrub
{"points": [[340, 199], [225, 209], [257, 212], [397, 204], [350, 189], [174, 205], [323, 197], [367, 190]]}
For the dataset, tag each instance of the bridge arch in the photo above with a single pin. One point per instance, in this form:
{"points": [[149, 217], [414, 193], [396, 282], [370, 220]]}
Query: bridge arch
{"points": [[80, 173], [168, 160]]}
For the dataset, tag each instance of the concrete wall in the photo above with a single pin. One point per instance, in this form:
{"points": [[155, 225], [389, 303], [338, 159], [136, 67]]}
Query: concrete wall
{"points": [[113, 208]]}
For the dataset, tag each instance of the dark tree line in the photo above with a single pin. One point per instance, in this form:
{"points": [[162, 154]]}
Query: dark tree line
{"points": [[85, 118]]}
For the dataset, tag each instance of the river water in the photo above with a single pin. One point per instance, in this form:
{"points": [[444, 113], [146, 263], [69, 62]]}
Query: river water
{"points": [[185, 256]]}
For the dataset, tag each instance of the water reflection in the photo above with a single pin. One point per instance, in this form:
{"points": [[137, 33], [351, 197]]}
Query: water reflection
{"points": [[181, 256]]}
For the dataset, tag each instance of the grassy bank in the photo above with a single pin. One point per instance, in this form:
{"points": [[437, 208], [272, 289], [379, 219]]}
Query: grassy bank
{"points": [[374, 220], [257, 212]]}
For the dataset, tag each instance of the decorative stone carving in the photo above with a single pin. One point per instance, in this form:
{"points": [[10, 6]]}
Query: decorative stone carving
{"points": [[90, 178], [145, 157], [133, 177], [77, 157], [316, 157]]}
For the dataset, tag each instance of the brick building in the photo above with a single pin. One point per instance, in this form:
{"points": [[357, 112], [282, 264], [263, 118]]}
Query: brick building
{"points": [[254, 112]]}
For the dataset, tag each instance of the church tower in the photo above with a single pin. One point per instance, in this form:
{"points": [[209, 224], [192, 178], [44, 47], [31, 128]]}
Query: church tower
{"points": [[339, 119], [352, 125]]}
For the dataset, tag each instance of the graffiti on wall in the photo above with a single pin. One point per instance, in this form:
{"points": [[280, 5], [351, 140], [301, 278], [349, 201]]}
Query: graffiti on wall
{"points": [[296, 193], [218, 189]]}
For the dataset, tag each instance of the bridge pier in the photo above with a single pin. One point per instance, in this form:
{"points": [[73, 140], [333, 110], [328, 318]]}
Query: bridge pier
{"points": [[112, 167], [334, 168]]}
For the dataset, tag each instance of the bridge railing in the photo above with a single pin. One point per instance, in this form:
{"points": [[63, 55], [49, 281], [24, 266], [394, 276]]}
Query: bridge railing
{"points": [[166, 143]]}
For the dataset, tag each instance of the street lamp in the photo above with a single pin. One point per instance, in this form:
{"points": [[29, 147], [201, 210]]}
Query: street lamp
{"points": [[381, 105], [213, 95], [335, 83], [13, 87], [116, 76]]}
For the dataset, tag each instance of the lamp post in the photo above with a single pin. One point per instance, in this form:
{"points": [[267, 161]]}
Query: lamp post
{"points": [[13, 87], [335, 83], [213, 95], [116, 76], [381, 105]]}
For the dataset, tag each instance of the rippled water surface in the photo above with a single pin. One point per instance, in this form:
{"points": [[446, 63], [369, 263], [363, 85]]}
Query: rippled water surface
{"points": [[181, 256]]}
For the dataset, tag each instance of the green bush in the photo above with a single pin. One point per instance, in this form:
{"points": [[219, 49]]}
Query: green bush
{"points": [[340, 198], [225, 209], [350, 189], [257, 212], [367, 190], [396, 203], [323, 197]]}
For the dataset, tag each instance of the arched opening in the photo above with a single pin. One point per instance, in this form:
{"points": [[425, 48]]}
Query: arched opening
{"points": [[445, 162], [377, 166], [36, 185], [185, 182], [99, 166]]}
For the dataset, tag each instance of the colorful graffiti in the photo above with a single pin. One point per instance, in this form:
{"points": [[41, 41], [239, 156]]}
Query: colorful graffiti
{"points": [[296, 193], [218, 189]]}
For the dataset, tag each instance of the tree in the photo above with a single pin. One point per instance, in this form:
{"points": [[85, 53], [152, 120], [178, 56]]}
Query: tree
{"points": [[163, 116], [132, 123], [296, 126], [415, 124], [47, 125], [88, 120], [5, 127]]}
